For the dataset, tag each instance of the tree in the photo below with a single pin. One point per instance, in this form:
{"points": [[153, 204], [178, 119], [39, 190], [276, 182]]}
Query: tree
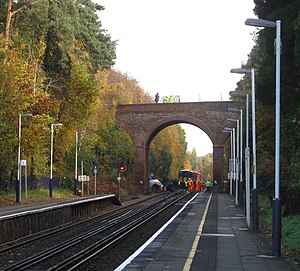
{"points": [[194, 159], [262, 59], [56, 60], [21, 93], [13, 10], [167, 156], [97, 43], [206, 163]]}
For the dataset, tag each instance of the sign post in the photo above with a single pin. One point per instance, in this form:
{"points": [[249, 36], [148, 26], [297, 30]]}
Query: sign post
{"points": [[119, 181], [82, 178], [95, 171], [23, 164], [88, 184]]}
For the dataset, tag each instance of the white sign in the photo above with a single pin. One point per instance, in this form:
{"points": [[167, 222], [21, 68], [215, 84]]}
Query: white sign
{"points": [[82, 178], [23, 162], [232, 175]]}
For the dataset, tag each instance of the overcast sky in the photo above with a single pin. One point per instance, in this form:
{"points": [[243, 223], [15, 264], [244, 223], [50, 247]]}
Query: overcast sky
{"points": [[185, 48]]}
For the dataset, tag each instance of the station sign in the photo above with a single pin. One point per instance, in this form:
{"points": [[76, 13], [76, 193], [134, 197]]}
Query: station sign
{"points": [[83, 178]]}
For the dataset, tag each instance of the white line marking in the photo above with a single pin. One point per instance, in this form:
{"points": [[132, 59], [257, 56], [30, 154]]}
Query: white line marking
{"points": [[231, 217], [218, 234], [150, 240], [266, 256]]}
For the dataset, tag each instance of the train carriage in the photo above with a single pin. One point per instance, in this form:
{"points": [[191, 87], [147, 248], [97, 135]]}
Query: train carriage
{"points": [[186, 174]]}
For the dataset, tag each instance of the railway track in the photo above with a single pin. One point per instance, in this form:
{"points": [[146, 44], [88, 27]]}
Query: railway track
{"points": [[75, 227], [72, 249]]}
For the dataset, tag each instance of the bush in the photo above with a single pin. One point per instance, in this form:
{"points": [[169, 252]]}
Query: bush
{"points": [[293, 200], [291, 232], [290, 227]]}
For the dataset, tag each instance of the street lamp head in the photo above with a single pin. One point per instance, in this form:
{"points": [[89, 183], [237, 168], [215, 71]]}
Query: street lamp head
{"points": [[57, 124], [237, 94], [240, 71], [227, 129], [231, 120], [231, 109], [260, 23], [26, 115]]}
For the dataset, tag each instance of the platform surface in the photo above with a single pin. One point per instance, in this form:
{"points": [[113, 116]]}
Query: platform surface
{"points": [[209, 234], [25, 209]]}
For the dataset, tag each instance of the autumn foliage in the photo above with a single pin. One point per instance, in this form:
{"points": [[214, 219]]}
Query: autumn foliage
{"points": [[56, 63]]}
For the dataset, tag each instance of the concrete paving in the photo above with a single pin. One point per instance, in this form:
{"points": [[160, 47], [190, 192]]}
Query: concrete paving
{"points": [[210, 234]]}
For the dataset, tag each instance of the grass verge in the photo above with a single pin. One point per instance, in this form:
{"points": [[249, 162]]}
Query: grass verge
{"points": [[290, 225], [40, 195]]}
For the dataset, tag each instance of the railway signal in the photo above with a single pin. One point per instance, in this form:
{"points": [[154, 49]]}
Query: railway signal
{"points": [[122, 167]]}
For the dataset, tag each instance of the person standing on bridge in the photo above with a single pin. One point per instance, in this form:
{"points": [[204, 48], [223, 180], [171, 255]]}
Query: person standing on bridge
{"points": [[171, 99], [156, 97]]}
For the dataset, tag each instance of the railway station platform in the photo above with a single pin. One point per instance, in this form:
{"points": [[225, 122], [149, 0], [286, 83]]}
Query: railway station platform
{"points": [[20, 209], [20, 220], [210, 234]]}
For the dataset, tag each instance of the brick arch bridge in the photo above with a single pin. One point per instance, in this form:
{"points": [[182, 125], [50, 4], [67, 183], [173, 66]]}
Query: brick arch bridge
{"points": [[143, 122]]}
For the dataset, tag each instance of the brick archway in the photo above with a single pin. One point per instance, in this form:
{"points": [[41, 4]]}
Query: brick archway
{"points": [[143, 122]]}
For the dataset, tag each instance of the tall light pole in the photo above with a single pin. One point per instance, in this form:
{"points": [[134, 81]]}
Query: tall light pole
{"points": [[247, 154], [230, 130], [18, 184], [241, 154], [276, 224], [254, 189], [51, 159], [76, 160], [76, 163], [237, 160]]}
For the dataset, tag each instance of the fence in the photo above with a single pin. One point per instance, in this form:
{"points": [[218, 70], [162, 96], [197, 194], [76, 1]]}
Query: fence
{"points": [[33, 182]]}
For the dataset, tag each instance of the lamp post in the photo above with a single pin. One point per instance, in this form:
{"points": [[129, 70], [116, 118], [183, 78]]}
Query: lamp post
{"points": [[232, 165], [18, 184], [276, 223], [247, 154], [241, 154], [254, 189], [237, 160], [76, 163], [95, 184], [51, 158]]}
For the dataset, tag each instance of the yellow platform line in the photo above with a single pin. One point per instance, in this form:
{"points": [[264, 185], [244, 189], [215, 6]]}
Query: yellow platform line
{"points": [[192, 253]]}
